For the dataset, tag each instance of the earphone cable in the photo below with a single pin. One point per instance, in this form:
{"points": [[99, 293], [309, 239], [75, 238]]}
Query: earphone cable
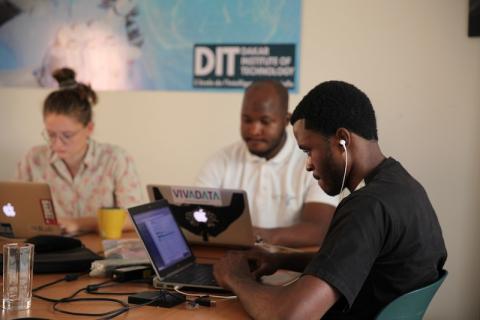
{"points": [[344, 173]]}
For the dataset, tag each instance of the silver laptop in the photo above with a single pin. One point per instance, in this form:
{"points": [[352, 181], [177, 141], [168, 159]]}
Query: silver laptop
{"points": [[169, 252], [26, 210], [208, 216]]}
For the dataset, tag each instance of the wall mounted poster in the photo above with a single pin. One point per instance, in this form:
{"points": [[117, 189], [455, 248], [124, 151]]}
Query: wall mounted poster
{"points": [[149, 44]]}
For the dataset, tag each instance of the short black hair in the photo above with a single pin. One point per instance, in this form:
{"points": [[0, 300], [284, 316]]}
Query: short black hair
{"points": [[337, 104]]}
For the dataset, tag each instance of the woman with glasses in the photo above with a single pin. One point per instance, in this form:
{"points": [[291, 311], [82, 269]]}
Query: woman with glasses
{"points": [[83, 175]]}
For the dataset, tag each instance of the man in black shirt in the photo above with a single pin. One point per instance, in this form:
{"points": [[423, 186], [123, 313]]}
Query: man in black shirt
{"points": [[384, 239]]}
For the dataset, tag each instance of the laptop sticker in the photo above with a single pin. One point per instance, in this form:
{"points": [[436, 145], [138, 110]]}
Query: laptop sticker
{"points": [[196, 196], [48, 212]]}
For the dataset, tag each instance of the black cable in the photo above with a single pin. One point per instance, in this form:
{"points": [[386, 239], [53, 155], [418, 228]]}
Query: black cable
{"points": [[128, 308], [70, 300], [92, 289], [67, 277], [65, 298], [205, 301]]}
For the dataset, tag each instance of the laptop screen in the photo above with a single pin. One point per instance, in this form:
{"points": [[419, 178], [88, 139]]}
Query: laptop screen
{"points": [[161, 237]]}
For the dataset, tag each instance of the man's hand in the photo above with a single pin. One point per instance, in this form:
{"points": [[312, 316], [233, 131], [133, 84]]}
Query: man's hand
{"points": [[308, 298], [232, 267], [262, 262]]}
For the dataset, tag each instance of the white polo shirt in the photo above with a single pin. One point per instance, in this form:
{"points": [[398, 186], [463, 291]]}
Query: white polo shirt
{"points": [[276, 189]]}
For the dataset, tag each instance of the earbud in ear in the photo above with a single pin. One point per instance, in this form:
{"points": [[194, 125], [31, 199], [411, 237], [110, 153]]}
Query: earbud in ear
{"points": [[343, 143]]}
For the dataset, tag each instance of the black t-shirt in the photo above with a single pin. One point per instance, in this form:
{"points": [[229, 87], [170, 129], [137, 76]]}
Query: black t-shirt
{"points": [[384, 240]]}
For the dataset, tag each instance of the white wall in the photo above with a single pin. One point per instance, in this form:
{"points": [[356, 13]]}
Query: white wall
{"points": [[413, 58]]}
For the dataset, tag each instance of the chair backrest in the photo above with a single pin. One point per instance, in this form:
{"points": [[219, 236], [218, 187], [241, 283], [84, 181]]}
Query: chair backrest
{"points": [[411, 305]]}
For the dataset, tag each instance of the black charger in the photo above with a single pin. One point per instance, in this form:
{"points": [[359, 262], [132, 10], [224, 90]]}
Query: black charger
{"points": [[160, 298], [132, 273]]}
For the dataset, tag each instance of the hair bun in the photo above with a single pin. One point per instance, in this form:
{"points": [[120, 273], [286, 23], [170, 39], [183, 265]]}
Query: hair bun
{"points": [[65, 77]]}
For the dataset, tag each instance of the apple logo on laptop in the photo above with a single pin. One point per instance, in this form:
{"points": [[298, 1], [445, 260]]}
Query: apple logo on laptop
{"points": [[9, 210], [200, 215], [208, 220]]}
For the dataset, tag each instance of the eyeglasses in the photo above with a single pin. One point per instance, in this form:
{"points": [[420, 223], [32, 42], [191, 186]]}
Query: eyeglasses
{"points": [[65, 137]]}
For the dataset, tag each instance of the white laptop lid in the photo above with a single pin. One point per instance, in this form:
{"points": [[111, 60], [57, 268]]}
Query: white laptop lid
{"points": [[208, 216], [26, 210]]}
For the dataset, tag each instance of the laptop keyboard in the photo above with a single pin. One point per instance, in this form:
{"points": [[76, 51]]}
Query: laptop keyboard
{"points": [[197, 274]]}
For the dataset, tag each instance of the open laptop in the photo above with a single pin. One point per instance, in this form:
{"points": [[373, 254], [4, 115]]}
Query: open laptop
{"points": [[208, 216], [26, 210], [168, 250]]}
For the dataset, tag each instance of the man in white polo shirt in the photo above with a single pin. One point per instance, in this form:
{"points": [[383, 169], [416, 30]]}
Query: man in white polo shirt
{"points": [[286, 204]]}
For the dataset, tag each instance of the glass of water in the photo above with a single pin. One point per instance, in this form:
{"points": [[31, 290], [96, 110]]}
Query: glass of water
{"points": [[17, 276]]}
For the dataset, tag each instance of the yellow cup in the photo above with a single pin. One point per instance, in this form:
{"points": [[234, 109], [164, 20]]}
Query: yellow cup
{"points": [[110, 222]]}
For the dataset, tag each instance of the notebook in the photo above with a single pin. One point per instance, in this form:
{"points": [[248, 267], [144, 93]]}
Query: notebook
{"points": [[170, 255], [208, 216], [26, 210]]}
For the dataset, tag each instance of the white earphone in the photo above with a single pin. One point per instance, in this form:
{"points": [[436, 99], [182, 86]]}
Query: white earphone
{"points": [[343, 143]]}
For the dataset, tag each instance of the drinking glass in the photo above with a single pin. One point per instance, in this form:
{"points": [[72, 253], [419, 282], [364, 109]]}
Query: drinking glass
{"points": [[17, 276]]}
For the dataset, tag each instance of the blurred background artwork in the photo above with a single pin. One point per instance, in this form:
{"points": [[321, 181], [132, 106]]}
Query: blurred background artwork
{"points": [[132, 44]]}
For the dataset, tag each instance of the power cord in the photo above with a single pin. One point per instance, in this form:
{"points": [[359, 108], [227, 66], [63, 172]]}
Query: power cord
{"points": [[89, 289]]}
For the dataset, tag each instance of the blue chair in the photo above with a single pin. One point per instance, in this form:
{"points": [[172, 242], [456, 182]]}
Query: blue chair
{"points": [[411, 305]]}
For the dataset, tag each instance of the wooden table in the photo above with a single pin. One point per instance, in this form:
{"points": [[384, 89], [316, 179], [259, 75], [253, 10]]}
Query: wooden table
{"points": [[225, 309]]}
